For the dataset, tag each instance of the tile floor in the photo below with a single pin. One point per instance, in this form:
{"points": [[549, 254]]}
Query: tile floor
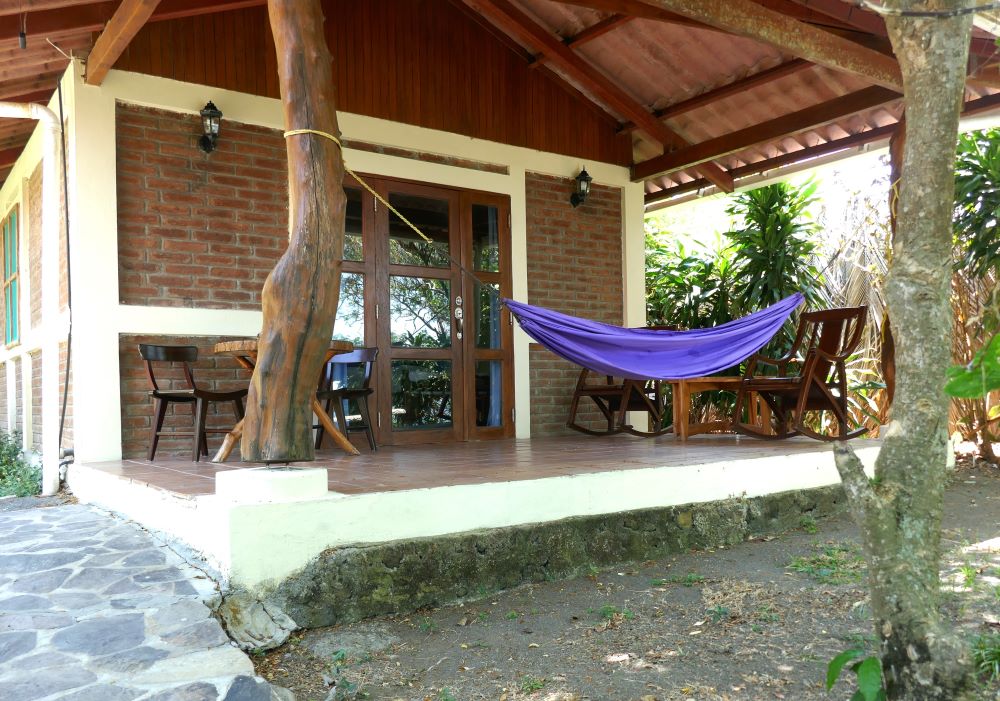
{"points": [[413, 467]]}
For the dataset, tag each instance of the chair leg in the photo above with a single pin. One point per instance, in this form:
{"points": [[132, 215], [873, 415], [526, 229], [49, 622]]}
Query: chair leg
{"points": [[366, 417], [201, 411], [159, 412], [320, 431], [338, 408]]}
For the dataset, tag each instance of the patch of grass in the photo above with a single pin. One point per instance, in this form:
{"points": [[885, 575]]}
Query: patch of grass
{"points": [[446, 695], [18, 477], [808, 524], [512, 615], [427, 625], [530, 684], [657, 582], [718, 613], [986, 653], [483, 616], [969, 575], [609, 612], [688, 580], [839, 563]]}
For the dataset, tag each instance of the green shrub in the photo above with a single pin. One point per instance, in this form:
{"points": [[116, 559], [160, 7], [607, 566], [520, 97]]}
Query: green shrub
{"points": [[18, 476]]}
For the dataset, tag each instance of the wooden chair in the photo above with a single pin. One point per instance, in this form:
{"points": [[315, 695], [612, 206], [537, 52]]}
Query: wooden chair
{"points": [[823, 342], [613, 398], [335, 397], [199, 399]]}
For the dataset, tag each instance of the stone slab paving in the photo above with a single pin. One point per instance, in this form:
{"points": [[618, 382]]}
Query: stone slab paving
{"points": [[93, 608]]}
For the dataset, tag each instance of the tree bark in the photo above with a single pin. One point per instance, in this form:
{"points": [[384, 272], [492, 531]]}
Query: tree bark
{"points": [[899, 512], [300, 294]]}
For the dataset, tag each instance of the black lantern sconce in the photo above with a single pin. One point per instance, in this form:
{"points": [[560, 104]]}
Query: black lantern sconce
{"points": [[579, 195], [211, 118]]}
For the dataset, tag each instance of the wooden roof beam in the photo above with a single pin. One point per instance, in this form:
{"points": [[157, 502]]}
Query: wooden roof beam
{"points": [[93, 16], [793, 123], [785, 159], [796, 65], [8, 157], [517, 23], [971, 108], [748, 19], [128, 19], [592, 32]]}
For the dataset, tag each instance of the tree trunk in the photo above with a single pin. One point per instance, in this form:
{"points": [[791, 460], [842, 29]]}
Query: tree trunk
{"points": [[300, 294], [899, 512]]}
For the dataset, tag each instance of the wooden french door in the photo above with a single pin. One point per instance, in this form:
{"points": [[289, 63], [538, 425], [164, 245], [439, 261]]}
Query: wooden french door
{"points": [[444, 370]]}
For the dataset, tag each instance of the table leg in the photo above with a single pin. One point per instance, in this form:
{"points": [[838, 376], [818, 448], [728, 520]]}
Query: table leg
{"points": [[339, 438], [229, 442], [682, 410]]}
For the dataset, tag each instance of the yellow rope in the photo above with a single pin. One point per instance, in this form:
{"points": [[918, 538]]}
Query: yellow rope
{"points": [[334, 139]]}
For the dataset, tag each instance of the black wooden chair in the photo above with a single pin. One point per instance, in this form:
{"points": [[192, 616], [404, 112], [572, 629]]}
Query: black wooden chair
{"points": [[199, 399], [338, 371], [823, 342], [613, 398]]}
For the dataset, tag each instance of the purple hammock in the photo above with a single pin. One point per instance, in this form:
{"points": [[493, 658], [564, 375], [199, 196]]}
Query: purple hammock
{"points": [[645, 354]]}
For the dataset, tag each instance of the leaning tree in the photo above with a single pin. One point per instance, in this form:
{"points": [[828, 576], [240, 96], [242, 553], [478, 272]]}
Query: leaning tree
{"points": [[899, 510]]}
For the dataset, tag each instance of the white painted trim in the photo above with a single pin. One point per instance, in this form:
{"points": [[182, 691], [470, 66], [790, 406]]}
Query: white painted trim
{"points": [[257, 540]]}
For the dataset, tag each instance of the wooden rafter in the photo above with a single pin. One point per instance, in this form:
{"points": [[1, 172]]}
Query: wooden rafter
{"points": [[870, 23], [18, 7], [981, 105], [780, 161], [8, 157], [514, 21], [92, 16], [125, 24], [793, 123], [796, 65], [592, 32], [748, 19]]}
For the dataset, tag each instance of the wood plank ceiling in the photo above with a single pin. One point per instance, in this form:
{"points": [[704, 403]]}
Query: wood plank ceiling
{"points": [[709, 91]]}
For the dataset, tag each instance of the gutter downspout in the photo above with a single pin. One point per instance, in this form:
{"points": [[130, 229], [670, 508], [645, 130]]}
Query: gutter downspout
{"points": [[51, 155]]}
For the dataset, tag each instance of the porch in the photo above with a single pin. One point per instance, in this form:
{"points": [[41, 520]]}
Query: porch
{"points": [[258, 526]]}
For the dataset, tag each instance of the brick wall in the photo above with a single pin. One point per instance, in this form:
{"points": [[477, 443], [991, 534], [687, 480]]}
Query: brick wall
{"points": [[34, 262], [18, 396], [196, 229], [4, 424], [68, 423], [211, 372], [574, 266], [36, 400]]}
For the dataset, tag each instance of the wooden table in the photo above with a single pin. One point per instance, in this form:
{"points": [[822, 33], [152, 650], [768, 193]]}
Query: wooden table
{"points": [[245, 352], [682, 391]]}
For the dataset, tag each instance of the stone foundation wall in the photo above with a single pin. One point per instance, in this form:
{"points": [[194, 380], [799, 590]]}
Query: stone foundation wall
{"points": [[349, 584]]}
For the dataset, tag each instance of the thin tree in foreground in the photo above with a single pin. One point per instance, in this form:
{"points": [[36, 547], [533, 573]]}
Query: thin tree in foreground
{"points": [[899, 511]]}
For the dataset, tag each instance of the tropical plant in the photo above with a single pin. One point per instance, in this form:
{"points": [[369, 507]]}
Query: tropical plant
{"points": [[775, 246], [688, 285], [975, 303], [977, 201]]}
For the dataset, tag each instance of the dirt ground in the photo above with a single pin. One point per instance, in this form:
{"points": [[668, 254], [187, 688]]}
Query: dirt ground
{"points": [[756, 621]]}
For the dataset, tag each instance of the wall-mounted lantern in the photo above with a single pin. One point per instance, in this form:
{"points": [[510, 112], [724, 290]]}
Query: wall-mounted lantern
{"points": [[211, 118], [579, 195]]}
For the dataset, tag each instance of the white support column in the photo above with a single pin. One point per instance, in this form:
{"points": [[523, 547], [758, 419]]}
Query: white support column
{"points": [[93, 235], [11, 379], [25, 369], [634, 255], [519, 289]]}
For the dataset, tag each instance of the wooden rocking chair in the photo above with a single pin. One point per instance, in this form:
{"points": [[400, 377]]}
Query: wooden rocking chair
{"points": [[613, 398], [824, 340]]}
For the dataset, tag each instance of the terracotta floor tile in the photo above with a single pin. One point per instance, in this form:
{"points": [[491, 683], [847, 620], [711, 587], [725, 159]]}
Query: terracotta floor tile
{"points": [[412, 467]]}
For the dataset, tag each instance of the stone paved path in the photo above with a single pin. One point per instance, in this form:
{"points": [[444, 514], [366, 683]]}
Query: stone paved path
{"points": [[92, 608]]}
